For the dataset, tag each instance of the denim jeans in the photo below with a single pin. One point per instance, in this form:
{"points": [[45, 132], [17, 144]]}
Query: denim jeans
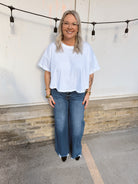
{"points": [[69, 122]]}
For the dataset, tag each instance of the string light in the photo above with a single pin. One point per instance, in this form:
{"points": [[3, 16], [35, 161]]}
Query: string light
{"points": [[93, 31], [55, 28], [11, 17], [57, 19], [126, 30]]}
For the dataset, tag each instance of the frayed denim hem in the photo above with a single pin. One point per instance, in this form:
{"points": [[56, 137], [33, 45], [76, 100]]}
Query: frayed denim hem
{"points": [[63, 155]]}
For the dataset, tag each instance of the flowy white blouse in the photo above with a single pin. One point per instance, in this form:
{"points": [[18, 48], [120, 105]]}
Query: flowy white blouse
{"points": [[69, 70]]}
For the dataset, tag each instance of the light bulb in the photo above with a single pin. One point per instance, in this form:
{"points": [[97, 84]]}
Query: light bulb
{"points": [[126, 32], [11, 21], [93, 34]]}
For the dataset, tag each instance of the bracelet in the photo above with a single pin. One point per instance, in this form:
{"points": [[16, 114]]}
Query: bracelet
{"points": [[88, 91], [48, 96], [47, 89]]}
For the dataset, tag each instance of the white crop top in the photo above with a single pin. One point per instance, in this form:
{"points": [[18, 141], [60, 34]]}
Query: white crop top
{"points": [[69, 71]]}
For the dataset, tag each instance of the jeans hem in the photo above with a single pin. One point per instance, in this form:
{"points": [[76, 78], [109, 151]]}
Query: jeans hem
{"points": [[63, 155], [76, 156]]}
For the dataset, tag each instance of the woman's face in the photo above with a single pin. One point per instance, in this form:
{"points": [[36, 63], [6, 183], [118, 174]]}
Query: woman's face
{"points": [[69, 27]]}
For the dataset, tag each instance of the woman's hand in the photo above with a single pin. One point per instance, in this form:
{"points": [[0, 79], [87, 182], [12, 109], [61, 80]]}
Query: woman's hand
{"points": [[86, 100], [51, 101]]}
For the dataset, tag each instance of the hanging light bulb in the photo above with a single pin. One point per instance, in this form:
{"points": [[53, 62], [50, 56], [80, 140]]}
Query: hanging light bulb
{"points": [[126, 30], [11, 17], [55, 28], [93, 31]]}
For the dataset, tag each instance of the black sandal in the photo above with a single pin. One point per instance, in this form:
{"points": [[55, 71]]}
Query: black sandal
{"points": [[77, 158], [64, 158]]}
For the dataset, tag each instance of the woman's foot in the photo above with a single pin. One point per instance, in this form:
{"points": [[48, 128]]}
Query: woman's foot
{"points": [[77, 158], [64, 158]]}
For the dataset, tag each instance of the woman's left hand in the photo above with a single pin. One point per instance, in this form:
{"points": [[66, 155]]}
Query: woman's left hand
{"points": [[86, 100]]}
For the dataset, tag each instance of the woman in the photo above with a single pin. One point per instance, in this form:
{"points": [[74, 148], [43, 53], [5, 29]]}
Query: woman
{"points": [[69, 66]]}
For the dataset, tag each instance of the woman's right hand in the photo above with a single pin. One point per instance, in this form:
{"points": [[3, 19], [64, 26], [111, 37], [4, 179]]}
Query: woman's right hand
{"points": [[51, 101]]}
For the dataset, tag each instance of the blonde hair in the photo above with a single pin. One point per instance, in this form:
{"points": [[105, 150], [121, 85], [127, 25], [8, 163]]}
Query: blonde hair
{"points": [[78, 40]]}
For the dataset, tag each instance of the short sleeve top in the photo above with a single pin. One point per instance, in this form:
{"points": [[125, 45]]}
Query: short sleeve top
{"points": [[69, 70]]}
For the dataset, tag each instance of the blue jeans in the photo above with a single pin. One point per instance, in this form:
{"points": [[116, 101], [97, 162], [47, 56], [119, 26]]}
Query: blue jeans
{"points": [[69, 122]]}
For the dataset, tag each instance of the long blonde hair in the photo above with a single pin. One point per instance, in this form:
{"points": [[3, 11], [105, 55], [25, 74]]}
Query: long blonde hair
{"points": [[78, 40]]}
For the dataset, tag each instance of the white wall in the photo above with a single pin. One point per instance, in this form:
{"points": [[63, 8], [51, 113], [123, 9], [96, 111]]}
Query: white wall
{"points": [[118, 56], [21, 81]]}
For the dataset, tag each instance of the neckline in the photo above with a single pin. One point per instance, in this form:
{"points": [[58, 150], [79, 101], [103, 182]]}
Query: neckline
{"points": [[68, 46]]}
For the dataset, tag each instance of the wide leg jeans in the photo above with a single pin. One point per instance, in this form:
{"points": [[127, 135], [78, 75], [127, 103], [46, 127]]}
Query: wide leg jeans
{"points": [[69, 122]]}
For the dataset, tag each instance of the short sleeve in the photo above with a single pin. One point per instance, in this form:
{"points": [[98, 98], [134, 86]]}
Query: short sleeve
{"points": [[93, 63], [45, 61]]}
